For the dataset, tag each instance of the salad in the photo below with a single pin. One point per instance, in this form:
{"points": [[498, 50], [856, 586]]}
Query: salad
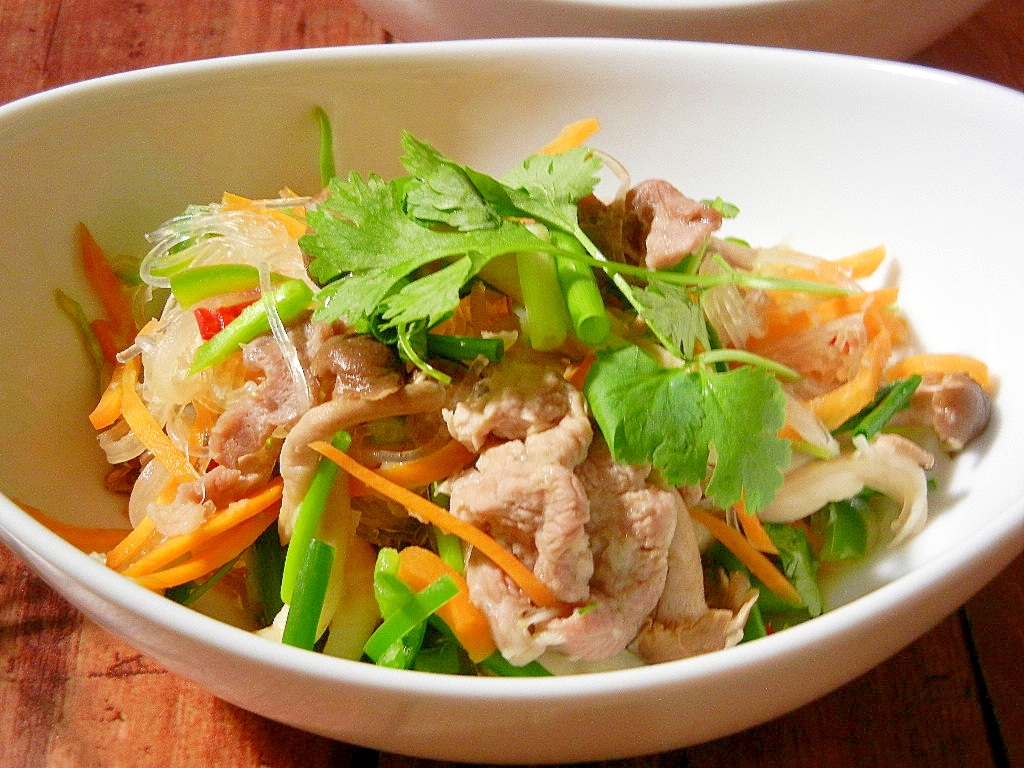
{"points": [[478, 425]]}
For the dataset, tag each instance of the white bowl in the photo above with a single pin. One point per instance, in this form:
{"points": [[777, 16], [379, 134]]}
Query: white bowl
{"points": [[891, 29], [835, 153]]}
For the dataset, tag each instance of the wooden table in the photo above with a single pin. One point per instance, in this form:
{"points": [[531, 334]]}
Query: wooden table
{"points": [[70, 695]]}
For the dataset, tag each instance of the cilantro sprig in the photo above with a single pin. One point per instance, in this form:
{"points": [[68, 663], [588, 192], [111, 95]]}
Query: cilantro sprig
{"points": [[692, 421]]}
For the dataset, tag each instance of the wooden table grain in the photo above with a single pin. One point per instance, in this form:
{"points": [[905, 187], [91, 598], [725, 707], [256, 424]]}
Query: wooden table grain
{"points": [[71, 695]]}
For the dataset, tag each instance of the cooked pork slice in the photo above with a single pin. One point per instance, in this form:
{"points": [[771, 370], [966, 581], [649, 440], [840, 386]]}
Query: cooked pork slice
{"points": [[684, 624], [299, 462], [357, 365], [597, 533], [240, 438], [954, 405], [655, 224], [632, 522], [513, 399]]}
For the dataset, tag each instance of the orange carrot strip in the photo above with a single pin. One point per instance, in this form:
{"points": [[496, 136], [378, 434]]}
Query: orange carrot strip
{"points": [[428, 512], [108, 409], [213, 554], [758, 564], [940, 363], [132, 544], [835, 407], [85, 538], [447, 459], [419, 567], [577, 373], [108, 287], [754, 530], [224, 520], [862, 264], [841, 306], [572, 135], [294, 224], [150, 434]]}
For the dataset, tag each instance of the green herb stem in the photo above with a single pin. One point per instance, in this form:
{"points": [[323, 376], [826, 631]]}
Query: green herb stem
{"points": [[291, 299], [307, 602], [727, 355], [412, 613], [546, 314], [308, 516], [326, 145]]}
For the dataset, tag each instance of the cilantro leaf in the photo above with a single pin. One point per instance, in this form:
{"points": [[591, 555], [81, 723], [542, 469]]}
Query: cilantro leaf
{"points": [[677, 316], [441, 191], [687, 423], [549, 187]]}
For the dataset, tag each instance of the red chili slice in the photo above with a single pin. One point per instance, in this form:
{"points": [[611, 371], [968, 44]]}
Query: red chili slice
{"points": [[213, 320]]}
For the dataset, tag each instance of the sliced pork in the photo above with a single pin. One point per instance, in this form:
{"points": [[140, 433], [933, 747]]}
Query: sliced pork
{"points": [[655, 224], [597, 533]]}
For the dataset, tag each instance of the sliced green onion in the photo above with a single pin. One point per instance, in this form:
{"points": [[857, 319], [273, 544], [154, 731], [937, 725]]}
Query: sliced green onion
{"points": [[309, 514], [590, 320], [442, 657], [844, 530], [464, 347], [308, 596], [189, 592], [896, 397], [291, 298], [499, 665], [449, 548], [413, 612], [326, 145], [547, 317], [77, 315], [266, 571]]}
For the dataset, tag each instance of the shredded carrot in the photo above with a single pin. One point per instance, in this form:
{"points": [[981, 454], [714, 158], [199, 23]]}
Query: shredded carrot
{"points": [[146, 429], [203, 422], [835, 407], [107, 285], [418, 473], [428, 512], [232, 515], [940, 363], [862, 264], [572, 135], [293, 220], [781, 324], [419, 567], [108, 409], [754, 530], [85, 538], [482, 309], [576, 374], [756, 561], [131, 545], [841, 306], [213, 553]]}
